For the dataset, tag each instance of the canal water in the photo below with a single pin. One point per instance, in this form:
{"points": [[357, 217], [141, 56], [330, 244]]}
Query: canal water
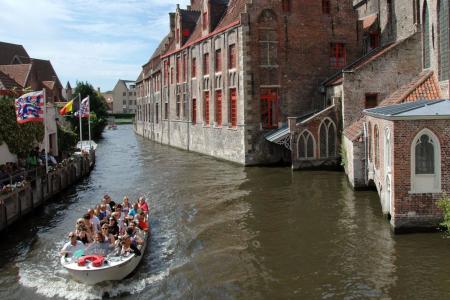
{"points": [[221, 231]]}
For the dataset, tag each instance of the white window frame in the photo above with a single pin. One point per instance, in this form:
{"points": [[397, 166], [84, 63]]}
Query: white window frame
{"points": [[426, 183], [331, 126], [306, 131]]}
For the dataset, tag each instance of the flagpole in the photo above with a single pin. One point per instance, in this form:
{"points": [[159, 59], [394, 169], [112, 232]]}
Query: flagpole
{"points": [[89, 115], [45, 131], [79, 117]]}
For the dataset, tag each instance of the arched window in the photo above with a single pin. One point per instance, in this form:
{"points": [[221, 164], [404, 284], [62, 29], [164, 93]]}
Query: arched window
{"points": [[443, 39], [426, 36], [327, 135], [305, 145], [387, 150], [376, 143], [425, 162]]}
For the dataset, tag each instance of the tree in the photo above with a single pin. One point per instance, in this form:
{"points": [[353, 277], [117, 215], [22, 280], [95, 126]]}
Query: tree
{"points": [[98, 111]]}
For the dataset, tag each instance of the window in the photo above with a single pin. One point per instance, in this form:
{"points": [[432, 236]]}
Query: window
{"points": [[232, 59], [305, 146], [218, 108], [206, 64], [426, 36], [269, 108], [327, 134], [374, 40], [157, 113], [124, 102], [130, 102], [268, 44], [387, 150], [124, 93], [171, 75], [166, 110], [337, 55], [178, 106], [218, 60], [194, 111], [443, 39], [376, 142], [194, 68], [166, 72], [369, 150], [185, 70], [286, 5], [205, 20], [206, 109], [425, 163], [326, 7], [178, 69], [371, 100], [233, 108]]}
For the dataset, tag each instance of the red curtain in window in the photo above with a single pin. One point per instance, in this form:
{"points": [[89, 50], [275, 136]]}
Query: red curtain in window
{"points": [[218, 108], [337, 55], [269, 108], [218, 60], [233, 108], [206, 109], [232, 57], [206, 64], [194, 111]]}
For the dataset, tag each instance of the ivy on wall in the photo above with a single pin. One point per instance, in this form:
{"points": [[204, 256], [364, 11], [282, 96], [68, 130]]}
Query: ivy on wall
{"points": [[20, 138]]}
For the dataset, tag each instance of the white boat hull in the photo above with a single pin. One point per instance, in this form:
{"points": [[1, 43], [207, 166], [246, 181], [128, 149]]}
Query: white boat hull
{"points": [[114, 268]]}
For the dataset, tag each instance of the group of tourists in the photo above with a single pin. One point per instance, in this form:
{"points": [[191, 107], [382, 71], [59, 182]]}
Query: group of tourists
{"points": [[10, 173], [37, 158], [110, 227]]}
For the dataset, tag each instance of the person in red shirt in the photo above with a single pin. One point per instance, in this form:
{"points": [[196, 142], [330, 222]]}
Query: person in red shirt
{"points": [[142, 223], [143, 205]]}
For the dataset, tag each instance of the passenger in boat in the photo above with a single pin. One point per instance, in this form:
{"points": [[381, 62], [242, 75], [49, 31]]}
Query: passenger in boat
{"points": [[126, 205], [83, 234], [143, 205], [98, 247], [135, 238], [133, 212], [113, 227], [88, 224], [109, 201], [127, 247], [72, 246], [94, 220], [142, 223], [108, 237], [120, 222], [104, 214]]}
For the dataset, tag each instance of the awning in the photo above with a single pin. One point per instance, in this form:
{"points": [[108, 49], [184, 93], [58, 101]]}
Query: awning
{"points": [[280, 136]]}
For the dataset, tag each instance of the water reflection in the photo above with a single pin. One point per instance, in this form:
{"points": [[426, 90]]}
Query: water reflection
{"points": [[220, 231]]}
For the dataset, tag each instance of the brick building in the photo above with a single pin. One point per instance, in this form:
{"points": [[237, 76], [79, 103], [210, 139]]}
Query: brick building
{"points": [[230, 72], [124, 97]]}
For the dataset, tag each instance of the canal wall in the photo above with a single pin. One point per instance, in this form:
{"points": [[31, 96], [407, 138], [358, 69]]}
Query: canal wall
{"points": [[30, 194]]}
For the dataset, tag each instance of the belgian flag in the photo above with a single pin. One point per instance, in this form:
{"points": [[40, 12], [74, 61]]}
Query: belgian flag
{"points": [[68, 108]]}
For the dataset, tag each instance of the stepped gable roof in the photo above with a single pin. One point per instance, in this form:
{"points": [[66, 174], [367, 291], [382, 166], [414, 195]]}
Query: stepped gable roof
{"points": [[190, 16], [363, 61], [229, 18], [9, 51], [424, 87], [19, 73], [44, 71], [355, 130], [7, 83]]}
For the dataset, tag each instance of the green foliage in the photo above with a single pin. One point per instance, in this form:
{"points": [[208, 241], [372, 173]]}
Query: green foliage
{"points": [[98, 111], [20, 138], [444, 204], [67, 139]]}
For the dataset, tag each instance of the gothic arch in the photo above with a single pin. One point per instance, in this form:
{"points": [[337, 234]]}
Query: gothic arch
{"points": [[327, 138], [306, 145]]}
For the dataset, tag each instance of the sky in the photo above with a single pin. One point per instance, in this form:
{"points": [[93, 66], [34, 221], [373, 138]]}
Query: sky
{"points": [[99, 41]]}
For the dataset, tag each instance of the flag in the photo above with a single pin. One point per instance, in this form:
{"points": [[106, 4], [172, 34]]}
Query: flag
{"points": [[84, 108], [67, 108], [30, 107]]}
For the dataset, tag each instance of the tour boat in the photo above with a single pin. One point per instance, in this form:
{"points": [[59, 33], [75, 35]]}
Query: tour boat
{"points": [[93, 269]]}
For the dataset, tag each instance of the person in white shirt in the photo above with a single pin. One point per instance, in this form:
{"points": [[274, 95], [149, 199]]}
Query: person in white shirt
{"points": [[71, 247], [94, 220]]}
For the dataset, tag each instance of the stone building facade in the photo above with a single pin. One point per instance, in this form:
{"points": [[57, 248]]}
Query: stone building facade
{"points": [[230, 72], [124, 97]]}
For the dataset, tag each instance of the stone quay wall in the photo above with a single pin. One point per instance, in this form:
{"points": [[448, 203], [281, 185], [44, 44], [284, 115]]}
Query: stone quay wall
{"points": [[25, 199]]}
